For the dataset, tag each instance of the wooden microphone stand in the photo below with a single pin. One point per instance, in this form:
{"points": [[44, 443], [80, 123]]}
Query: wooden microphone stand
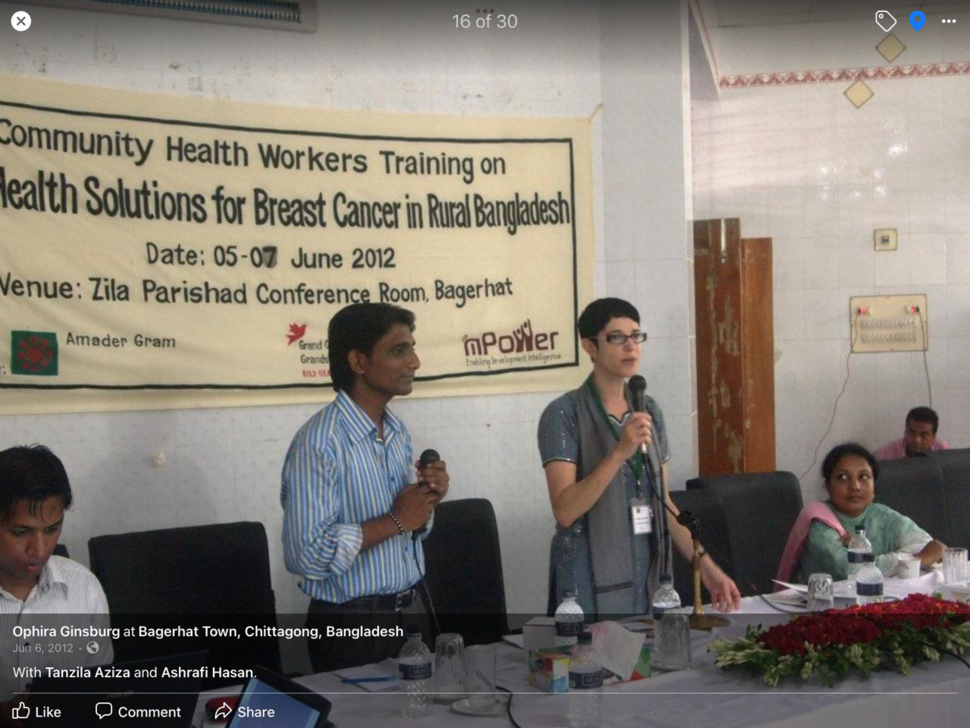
{"points": [[698, 620]]}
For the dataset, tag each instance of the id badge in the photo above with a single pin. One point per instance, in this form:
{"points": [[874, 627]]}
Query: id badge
{"points": [[642, 516]]}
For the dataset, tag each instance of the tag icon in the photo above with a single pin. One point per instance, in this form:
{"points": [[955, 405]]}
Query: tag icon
{"points": [[885, 20]]}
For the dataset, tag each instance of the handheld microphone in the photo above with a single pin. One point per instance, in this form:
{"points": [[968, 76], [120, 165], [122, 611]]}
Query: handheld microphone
{"points": [[428, 457], [638, 390]]}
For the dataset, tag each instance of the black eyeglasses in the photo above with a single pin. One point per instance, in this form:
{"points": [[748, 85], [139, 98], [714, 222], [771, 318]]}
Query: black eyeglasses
{"points": [[618, 338]]}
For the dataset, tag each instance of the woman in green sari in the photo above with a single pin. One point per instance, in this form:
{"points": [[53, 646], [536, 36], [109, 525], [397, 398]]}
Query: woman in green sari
{"points": [[850, 473]]}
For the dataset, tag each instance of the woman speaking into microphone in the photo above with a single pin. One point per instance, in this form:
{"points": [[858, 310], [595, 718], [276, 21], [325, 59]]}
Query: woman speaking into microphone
{"points": [[606, 549]]}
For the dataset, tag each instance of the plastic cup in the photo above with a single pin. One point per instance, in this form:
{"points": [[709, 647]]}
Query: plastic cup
{"points": [[449, 667], [954, 566], [480, 675], [820, 593]]}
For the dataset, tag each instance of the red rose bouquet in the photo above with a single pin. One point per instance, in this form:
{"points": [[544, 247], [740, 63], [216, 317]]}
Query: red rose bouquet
{"points": [[888, 635]]}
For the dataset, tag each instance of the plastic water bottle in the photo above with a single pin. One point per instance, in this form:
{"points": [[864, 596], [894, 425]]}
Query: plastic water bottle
{"points": [[859, 546], [585, 685], [869, 581], [666, 598], [569, 621], [414, 675]]}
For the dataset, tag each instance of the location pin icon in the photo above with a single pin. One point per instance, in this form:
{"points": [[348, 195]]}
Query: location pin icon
{"points": [[917, 19]]}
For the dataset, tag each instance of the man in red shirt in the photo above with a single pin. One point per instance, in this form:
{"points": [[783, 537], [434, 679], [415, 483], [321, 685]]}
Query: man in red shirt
{"points": [[919, 438]]}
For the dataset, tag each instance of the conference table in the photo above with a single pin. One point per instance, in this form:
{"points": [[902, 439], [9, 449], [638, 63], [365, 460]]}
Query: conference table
{"points": [[934, 694]]}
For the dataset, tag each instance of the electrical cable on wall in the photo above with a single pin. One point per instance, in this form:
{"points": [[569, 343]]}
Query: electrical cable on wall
{"points": [[835, 407], [926, 345]]}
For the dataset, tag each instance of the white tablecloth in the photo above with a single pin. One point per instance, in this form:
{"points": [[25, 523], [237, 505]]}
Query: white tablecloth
{"points": [[934, 695]]}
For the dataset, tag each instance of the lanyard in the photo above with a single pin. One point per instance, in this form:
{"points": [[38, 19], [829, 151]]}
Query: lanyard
{"points": [[635, 463]]}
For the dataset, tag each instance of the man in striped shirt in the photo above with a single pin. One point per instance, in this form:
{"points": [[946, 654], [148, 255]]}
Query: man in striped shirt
{"points": [[41, 593], [354, 519]]}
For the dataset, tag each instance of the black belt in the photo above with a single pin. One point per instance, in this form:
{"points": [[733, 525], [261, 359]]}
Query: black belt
{"points": [[383, 602]]}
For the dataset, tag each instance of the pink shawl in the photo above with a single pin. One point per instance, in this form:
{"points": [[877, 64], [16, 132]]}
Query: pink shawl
{"points": [[816, 511]]}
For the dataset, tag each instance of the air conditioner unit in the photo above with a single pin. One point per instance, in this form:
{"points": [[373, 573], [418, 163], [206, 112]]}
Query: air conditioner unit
{"points": [[298, 15]]}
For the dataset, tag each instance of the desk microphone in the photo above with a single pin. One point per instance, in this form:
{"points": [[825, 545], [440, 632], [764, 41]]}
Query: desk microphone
{"points": [[428, 457]]}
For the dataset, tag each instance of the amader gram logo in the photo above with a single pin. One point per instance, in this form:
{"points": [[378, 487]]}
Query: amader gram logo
{"points": [[33, 353]]}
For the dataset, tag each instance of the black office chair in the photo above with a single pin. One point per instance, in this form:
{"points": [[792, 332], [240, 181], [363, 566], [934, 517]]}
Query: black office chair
{"points": [[216, 576], [61, 550], [955, 465], [464, 571], [914, 487], [759, 512]]}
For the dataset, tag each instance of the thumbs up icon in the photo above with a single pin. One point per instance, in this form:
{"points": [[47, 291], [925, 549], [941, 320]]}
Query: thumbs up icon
{"points": [[22, 712]]}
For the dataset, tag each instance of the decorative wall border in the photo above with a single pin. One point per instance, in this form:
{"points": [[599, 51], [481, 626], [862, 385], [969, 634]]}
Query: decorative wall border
{"points": [[799, 78]]}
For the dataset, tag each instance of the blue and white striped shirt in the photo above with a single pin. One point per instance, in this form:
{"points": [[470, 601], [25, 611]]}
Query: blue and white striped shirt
{"points": [[337, 475]]}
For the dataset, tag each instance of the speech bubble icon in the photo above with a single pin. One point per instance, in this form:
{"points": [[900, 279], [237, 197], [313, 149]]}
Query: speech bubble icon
{"points": [[103, 710], [885, 20]]}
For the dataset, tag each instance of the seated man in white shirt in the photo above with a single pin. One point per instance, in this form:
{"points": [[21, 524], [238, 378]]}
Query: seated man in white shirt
{"points": [[36, 586]]}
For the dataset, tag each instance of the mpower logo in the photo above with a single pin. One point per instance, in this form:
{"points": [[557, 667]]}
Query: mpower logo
{"points": [[521, 345]]}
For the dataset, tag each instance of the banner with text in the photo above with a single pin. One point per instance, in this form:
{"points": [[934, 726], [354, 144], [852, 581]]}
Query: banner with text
{"points": [[173, 252]]}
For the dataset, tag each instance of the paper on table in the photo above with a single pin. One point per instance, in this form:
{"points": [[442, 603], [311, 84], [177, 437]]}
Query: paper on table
{"points": [[638, 625], [514, 639], [617, 648], [839, 588], [328, 684], [386, 668], [803, 588], [798, 599], [508, 660]]}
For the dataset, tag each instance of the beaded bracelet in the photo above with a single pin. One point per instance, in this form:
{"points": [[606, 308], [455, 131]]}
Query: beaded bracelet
{"points": [[396, 522]]}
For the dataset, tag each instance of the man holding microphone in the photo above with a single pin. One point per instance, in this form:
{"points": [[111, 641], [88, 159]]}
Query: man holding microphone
{"points": [[354, 519]]}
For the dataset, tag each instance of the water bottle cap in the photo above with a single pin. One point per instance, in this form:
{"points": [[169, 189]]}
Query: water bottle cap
{"points": [[585, 638], [413, 632], [666, 580], [861, 528]]}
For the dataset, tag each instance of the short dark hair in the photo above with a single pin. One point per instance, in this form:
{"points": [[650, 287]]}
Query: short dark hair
{"points": [[849, 448], [358, 327], [924, 414], [599, 313], [31, 473]]}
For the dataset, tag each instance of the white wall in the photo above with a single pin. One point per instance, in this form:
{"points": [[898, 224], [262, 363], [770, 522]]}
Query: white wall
{"points": [[802, 165], [646, 183], [224, 465]]}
